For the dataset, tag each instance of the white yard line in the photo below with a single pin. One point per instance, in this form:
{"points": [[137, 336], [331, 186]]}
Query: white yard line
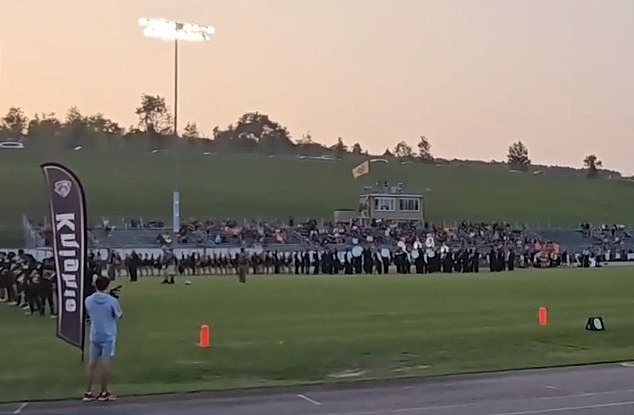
{"points": [[306, 398], [20, 408]]}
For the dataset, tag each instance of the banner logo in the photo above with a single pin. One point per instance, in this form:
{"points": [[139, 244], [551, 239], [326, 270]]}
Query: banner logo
{"points": [[63, 188]]}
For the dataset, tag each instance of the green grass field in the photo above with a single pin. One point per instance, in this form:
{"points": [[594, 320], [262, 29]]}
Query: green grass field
{"points": [[133, 184], [290, 330]]}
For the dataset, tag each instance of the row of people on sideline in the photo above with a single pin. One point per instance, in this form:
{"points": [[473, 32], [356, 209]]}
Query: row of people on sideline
{"points": [[358, 260]]}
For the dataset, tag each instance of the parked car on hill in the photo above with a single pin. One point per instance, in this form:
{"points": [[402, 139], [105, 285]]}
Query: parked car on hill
{"points": [[11, 145]]}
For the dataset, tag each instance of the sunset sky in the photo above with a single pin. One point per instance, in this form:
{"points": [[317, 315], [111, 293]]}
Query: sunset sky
{"points": [[471, 75]]}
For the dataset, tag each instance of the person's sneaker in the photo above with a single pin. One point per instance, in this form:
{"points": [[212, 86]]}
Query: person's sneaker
{"points": [[106, 396], [88, 396], [53, 315]]}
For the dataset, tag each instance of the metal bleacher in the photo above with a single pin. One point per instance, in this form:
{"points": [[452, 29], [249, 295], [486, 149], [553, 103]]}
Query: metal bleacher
{"points": [[129, 238], [569, 239]]}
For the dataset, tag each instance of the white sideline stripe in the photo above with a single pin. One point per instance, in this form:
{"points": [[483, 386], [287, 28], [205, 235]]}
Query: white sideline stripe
{"points": [[568, 408], [541, 398], [306, 398], [20, 408], [476, 404]]}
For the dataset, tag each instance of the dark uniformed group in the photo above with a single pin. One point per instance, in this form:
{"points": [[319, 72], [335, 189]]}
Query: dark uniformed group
{"points": [[31, 285], [26, 283], [358, 260]]}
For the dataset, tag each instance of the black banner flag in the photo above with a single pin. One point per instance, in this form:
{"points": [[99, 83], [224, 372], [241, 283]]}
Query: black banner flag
{"points": [[68, 222]]}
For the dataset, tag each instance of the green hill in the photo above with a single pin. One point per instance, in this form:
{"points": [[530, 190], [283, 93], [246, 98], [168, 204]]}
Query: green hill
{"points": [[134, 184]]}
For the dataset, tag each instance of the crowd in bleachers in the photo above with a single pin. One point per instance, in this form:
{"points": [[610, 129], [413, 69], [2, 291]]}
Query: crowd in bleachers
{"points": [[223, 232], [196, 232], [320, 234], [328, 233], [465, 235], [607, 234], [615, 238]]}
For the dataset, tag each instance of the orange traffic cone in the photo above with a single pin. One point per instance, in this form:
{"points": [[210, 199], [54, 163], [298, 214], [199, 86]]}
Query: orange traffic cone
{"points": [[204, 336], [542, 316]]}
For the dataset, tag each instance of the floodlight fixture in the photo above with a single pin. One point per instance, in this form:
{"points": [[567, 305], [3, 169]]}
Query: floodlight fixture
{"points": [[170, 30]]}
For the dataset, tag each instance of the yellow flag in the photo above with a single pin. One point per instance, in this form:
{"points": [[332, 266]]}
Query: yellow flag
{"points": [[361, 169]]}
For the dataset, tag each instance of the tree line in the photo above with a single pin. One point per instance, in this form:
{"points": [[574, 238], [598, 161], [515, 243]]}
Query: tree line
{"points": [[252, 132]]}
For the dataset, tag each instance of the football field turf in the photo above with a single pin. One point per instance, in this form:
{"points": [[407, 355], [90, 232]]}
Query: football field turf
{"points": [[278, 330]]}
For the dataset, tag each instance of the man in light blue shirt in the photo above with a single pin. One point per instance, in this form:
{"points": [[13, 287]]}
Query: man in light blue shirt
{"points": [[104, 312]]}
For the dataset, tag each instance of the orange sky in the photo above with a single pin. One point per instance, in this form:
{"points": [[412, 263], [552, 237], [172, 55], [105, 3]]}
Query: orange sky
{"points": [[472, 75]]}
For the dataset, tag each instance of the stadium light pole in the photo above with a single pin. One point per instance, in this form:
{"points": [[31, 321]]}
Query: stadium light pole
{"points": [[175, 31], [169, 30]]}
